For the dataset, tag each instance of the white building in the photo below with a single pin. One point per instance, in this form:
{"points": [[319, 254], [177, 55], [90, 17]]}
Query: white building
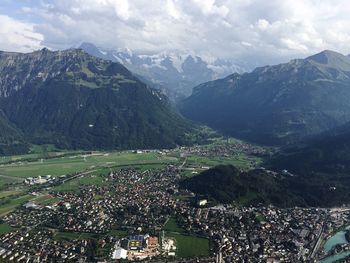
{"points": [[120, 253], [202, 202]]}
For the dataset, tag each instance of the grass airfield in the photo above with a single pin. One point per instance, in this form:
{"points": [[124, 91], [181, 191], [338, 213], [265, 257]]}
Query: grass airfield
{"points": [[14, 169], [63, 165]]}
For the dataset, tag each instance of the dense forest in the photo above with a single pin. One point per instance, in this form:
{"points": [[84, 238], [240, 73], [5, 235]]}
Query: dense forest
{"points": [[226, 184], [328, 153]]}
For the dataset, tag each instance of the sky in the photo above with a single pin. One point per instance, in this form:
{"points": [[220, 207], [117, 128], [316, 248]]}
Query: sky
{"points": [[255, 31]]}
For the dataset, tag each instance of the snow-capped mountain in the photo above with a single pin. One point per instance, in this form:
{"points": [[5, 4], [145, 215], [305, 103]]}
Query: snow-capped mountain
{"points": [[175, 73]]}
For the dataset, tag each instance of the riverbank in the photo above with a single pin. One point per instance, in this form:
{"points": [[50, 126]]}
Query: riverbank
{"points": [[336, 258], [340, 248], [347, 235], [336, 239], [337, 247]]}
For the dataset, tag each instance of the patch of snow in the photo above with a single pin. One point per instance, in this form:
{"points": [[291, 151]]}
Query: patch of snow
{"points": [[102, 52], [118, 59], [177, 62], [153, 66]]}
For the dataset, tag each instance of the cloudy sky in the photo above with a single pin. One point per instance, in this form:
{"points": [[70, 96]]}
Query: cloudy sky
{"points": [[257, 31]]}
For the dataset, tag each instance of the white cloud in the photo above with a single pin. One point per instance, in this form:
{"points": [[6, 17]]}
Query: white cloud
{"points": [[250, 30], [247, 44], [209, 7], [172, 9], [18, 36], [262, 24], [121, 8]]}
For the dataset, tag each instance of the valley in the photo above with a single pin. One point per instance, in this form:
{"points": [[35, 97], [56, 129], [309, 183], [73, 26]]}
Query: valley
{"points": [[69, 180], [98, 202], [185, 131]]}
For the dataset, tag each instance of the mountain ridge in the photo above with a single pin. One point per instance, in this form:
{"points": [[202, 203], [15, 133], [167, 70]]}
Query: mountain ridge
{"points": [[74, 100], [174, 73], [275, 104]]}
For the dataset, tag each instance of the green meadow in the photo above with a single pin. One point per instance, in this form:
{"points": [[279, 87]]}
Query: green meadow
{"points": [[4, 229], [187, 245], [77, 163]]}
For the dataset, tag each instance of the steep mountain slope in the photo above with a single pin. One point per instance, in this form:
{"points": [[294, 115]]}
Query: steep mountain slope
{"points": [[11, 139], [174, 73], [328, 153], [75, 100], [277, 104]]}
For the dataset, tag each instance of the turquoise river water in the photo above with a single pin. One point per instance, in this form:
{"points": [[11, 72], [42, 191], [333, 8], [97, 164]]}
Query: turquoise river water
{"points": [[338, 238]]}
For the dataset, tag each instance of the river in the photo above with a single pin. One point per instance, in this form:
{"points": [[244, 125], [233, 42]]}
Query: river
{"points": [[338, 238]]}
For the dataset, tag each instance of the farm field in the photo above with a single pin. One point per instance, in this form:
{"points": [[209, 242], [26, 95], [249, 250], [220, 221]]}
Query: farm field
{"points": [[74, 184], [46, 200], [9, 204], [171, 226], [5, 228], [9, 193]]}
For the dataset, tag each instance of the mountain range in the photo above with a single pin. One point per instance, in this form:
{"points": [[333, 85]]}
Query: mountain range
{"points": [[277, 105], [75, 100], [175, 73]]}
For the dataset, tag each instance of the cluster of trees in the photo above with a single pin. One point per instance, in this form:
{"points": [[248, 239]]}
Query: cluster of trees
{"points": [[226, 184], [347, 235], [328, 153]]}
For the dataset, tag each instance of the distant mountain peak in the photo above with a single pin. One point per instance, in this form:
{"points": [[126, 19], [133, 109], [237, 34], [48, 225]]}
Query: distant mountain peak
{"points": [[88, 46], [328, 57], [174, 72]]}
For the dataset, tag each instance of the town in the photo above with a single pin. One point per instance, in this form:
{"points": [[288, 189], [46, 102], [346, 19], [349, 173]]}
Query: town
{"points": [[143, 214]]}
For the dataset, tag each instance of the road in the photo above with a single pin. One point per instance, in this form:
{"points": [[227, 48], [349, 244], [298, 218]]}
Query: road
{"points": [[320, 238], [183, 164]]}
